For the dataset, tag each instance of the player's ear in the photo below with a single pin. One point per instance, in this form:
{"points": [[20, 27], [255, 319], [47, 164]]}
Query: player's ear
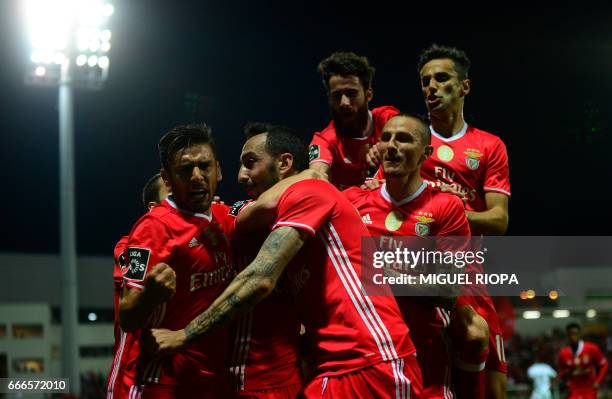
{"points": [[285, 163], [165, 177], [466, 85], [427, 151], [369, 94], [219, 174]]}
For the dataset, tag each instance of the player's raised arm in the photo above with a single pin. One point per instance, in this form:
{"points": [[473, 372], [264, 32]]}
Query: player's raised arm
{"points": [[249, 287], [493, 221]]}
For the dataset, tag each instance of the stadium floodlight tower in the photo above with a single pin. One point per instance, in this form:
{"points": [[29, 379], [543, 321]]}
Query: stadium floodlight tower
{"points": [[70, 43]]}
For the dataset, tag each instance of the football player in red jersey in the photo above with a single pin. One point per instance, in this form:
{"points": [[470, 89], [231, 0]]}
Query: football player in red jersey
{"points": [[339, 151], [265, 347], [153, 192], [186, 231], [359, 344], [474, 163], [407, 206], [581, 364]]}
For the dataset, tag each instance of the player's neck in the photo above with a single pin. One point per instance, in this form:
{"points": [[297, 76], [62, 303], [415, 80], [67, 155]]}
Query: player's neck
{"points": [[447, 124], [403, 187]]}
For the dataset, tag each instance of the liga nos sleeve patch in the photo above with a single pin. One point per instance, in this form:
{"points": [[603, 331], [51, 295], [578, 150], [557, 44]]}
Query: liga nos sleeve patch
{"points": [[313, 152], [139, 260]]}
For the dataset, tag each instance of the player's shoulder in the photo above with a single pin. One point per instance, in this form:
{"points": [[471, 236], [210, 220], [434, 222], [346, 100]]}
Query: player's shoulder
{"points": [[443, 200], [309, 190], [485, 136], [328, 133], [591, 346], [356, 194], [120, 245], [385, 112]]}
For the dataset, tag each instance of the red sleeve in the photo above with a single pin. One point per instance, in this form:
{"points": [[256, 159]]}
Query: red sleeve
{"points": [[320, 150], [601, 363], [304, 207], [120, 261], [497, 175], [453, 221], [382, 115], [150, 242]]}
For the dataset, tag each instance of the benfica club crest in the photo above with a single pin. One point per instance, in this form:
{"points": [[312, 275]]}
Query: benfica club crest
{"points": [[472, 159], [472, 163], [421, 228]]}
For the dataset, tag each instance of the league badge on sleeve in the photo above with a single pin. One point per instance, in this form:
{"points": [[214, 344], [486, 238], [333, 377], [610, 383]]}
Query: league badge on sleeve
{"points": [[235, 209], [139, 260], [313, 152]]}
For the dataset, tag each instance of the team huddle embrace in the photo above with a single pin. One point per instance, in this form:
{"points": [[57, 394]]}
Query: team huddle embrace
{"points": [[265, 299]]}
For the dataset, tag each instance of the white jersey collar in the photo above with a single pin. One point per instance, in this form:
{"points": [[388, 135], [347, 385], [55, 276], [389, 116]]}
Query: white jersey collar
{"points": [[385, 194], [206, 215], [580, 348], [455, 136], [369, 129]]}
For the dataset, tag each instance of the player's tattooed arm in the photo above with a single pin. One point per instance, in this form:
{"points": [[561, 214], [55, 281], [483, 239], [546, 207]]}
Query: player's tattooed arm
{"points": [[250, 286]]}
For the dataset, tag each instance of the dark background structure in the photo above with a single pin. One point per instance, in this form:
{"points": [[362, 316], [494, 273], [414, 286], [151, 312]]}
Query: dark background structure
{"points": [[542, 80]]}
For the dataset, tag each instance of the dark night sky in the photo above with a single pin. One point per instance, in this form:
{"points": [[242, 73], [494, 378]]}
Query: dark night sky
{"points": [[542, 80]]}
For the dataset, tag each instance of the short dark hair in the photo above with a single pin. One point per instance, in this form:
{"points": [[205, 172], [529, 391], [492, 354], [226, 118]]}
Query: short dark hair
{"points": [[150, 191], [346, 63], [181, 137], [423, 121], [573, 325], [280, 140], [459, 58]]}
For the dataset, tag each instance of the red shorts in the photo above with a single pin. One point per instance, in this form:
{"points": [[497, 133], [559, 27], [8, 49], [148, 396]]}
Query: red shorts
{"points": [[156, 391], [286, 392], [483, 305], [399, 379], [582, 393], [427, 329]]}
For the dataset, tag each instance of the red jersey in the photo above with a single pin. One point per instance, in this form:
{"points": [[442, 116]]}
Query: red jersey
{"points": [[473, 161], [346, 155], [427, 212], [346, 329], [579, 368], [195, 246], [264, 343], [119, 265]]}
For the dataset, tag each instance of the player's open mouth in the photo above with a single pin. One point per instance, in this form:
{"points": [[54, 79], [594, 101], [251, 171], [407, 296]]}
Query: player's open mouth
{"points": [[433, 101], [198, 195]]}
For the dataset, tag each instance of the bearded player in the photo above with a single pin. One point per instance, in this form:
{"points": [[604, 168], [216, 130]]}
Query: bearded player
{"points": [[339, 151], [187, 232], [359, 344]]}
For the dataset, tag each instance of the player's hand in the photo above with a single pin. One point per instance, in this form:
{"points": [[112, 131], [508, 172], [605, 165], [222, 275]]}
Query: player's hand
{"points": [[371, 184], [373, 157], [217, 200], [168, 341], [160, 283], [447, 188]]}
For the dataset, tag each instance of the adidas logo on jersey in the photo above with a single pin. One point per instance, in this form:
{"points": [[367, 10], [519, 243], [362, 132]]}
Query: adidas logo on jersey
{"points": [[367, 219], [193, 242]]}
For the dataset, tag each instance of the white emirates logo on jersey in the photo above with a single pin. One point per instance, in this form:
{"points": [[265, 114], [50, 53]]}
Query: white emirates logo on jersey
{"points": [[367, 219], [193, 242]]}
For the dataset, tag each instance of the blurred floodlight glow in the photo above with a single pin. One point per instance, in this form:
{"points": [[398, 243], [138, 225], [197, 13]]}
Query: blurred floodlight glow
{"points": [[40, 71], [92, 316], [81, 60], [92, 61], [561, 313], [59, 58], [105, 35], [103, 62], [591, 313], [531, 314], [52, 26]]}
